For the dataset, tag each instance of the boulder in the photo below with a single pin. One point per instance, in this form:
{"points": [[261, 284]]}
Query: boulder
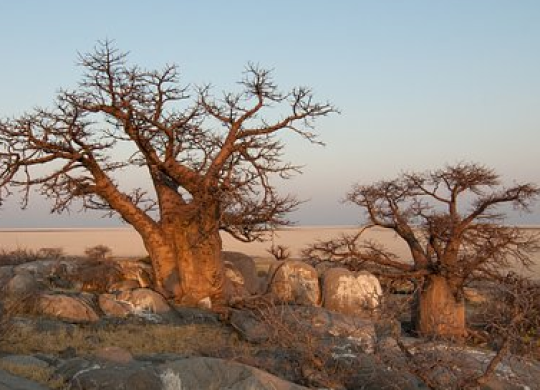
{"points": [[345, 332], [294, 281], [143, 300], [251, 328], [22, 284], [194, 374], [24, 361], [474, 295], [350, 293], [242, 271], [114, 355], [38, 267], [89, 375], [12, 382], [68, 308], [112, 307], [6, 273]]}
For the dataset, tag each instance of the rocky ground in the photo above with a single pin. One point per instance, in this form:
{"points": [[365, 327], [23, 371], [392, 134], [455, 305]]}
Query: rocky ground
{"points": [[64, 328]]}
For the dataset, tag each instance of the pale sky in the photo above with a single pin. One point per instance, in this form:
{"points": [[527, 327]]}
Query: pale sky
{"points": [[419, 83]]}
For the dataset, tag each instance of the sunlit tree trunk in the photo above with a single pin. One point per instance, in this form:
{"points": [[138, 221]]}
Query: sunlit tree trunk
{"points": [[439, 312]]}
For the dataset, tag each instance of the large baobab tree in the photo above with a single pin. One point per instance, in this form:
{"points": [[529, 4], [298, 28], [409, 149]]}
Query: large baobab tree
{"points": [[211, 160], [448, 218]]}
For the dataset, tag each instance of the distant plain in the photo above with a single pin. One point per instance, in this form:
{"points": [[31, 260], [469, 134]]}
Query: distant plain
{"points": [[125, 242]]}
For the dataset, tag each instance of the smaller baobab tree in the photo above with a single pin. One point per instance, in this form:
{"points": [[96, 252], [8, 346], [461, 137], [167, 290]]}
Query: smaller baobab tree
{"points": [[206, 164], [448, 220]]}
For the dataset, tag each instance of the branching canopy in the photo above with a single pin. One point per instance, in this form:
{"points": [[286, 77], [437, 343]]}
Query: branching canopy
{"points": [[202, 148], [449, 220]]}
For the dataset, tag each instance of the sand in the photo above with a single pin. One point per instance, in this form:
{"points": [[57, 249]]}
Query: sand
{"points": [[125, 241]]}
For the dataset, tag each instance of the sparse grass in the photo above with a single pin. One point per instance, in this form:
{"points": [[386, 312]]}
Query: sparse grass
{"points": [[44, 376], [138, 339]]}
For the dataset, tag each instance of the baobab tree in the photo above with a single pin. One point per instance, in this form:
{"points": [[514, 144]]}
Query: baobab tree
{"points": [[448, 219], [211, 161]]}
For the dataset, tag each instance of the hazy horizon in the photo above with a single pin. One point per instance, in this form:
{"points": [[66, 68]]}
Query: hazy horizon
{"points": [[420, 84]]}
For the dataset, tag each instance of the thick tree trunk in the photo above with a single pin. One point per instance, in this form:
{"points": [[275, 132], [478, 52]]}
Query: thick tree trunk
{"points": [[439, 312], [186, 257], [199, 263]]}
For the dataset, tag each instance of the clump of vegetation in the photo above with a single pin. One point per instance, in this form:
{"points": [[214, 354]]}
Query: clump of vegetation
{"points": [[25, 255], [98, 252], [18, 256]]}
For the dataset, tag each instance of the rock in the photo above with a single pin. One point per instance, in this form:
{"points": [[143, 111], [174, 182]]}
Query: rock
{"points": [[241, 270], [112, 307], [295, 282], [12, 382], [252, 329], [68, 308], [114, 355], [236, 289], [350, 293], [38, 267], [22, 284], [193, 374], [24, 360], [6, 273], [123, 285], [85, 375], [144, 300], [473, 295], [353, 331], [331, 330], [193, 315]]}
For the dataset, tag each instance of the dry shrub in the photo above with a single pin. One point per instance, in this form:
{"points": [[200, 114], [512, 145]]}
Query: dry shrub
{"points": [[26, 255], [18, 256], [280, 252], [299, 353], [138, 339], [512, 318]]}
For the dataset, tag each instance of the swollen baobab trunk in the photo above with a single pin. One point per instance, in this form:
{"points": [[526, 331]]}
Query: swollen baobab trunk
{"points": [[439, 311], [186, 255]]}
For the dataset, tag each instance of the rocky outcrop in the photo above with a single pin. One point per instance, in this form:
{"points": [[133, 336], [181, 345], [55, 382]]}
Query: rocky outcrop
{"points": [[22, 284], [241, 270], [192, 374], [144, 300], [114, 355], [12, 382], [68, 308], [295, 282], [111, 307], [329, 329], [350, 293]]}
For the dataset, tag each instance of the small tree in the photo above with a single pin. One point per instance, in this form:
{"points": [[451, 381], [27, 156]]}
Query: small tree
{"points": [[210, 161], [98, 252], [450, 243]]}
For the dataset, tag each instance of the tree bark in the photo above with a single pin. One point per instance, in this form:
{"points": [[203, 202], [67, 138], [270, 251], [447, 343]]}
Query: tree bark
{"points": [[201, 271], [439, 312], [185, 251]]}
